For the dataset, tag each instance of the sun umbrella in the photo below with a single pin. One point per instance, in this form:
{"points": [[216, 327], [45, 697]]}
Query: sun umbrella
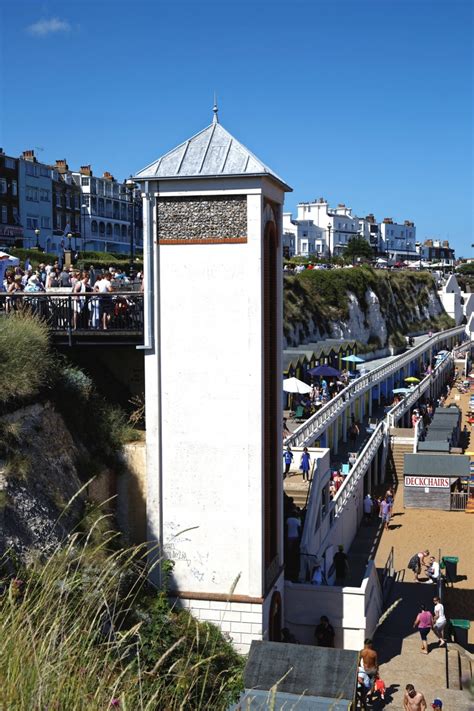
{"points": [[293, 385], [353, 359], [412, 379], [324, 370], [398, 391]]}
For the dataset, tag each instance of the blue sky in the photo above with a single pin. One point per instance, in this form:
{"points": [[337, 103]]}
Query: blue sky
{"points": [[366, 102]]}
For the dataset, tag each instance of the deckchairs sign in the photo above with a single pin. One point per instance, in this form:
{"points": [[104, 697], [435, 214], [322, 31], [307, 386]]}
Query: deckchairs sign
{"points": [[435, 482]]}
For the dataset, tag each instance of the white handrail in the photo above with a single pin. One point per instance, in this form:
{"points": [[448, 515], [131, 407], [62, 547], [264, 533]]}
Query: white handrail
{"points": [[316, 424]]}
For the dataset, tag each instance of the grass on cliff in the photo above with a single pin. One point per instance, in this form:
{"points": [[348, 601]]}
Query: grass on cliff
{"points": [[85, 631], [27, 362]]}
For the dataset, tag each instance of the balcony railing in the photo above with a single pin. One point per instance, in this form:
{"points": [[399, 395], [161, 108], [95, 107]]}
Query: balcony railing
{"points": [[78, 313]]}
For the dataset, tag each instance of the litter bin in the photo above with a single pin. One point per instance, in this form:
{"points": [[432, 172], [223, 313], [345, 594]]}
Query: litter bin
{"points": [[451, 566], [460, 630]]}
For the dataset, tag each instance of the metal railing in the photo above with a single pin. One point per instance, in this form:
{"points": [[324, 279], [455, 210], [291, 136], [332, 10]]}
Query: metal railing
{"points": [[66, 313], [361, 465], [317, 423], [459, 500], [388, 575]]}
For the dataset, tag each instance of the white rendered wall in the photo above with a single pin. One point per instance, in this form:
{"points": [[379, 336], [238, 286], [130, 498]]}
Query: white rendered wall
{"points": [[204, 446]]}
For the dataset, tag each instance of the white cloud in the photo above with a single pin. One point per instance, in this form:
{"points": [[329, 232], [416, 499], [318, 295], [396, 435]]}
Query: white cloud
{"points": [[48, 27]]}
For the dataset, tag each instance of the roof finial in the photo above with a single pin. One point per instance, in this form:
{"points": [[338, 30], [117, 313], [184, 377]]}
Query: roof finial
{"points": [[215, 118]]}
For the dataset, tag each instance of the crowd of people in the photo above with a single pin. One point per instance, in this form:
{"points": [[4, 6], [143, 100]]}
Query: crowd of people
{"points": [[87, 311]]}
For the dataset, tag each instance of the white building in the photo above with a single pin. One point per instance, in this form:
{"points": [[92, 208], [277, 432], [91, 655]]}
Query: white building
{"points": [[106, 213], [302, 237], [369, 229], [212, 216], [35, 200], [398, 241], [450, 295], [337, 225]]}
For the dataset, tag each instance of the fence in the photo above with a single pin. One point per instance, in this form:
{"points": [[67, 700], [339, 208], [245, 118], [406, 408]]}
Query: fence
{"points": [[65, 313], [459, 500]]}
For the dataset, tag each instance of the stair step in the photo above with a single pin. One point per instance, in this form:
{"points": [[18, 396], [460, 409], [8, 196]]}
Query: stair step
{"points": [[454, 678], [466, 668]]}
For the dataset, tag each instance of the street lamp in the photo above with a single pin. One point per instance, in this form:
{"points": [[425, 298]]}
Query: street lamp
{"points": [[329, 239], [131, 185], [83, 226], [37, 233]]}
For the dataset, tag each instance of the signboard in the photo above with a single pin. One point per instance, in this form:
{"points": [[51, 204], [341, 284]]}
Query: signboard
{"points": [[435, 482]]}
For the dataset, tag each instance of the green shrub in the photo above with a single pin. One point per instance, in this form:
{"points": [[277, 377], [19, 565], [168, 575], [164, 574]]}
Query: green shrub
{"points": [[84, 631], [35, 256], [27, 362]]}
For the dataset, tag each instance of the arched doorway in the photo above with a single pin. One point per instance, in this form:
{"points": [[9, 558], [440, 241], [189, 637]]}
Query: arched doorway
{"points": [[274, 619]]}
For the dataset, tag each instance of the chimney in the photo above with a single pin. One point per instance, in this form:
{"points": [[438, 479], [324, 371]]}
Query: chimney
{"points": [[445, 243], [28, 155], [2, 152], [85, 170], [388, 220], [108, 176], [61, 166], [428, 243], [341, 204]]}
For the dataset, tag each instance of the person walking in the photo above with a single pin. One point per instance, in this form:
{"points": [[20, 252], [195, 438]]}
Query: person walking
{"points": [[368, 659], [341, 566], [305, 463], [424, 622], [368, 508], [288, 457], [385, 509], [439, 621], [413, 699]]}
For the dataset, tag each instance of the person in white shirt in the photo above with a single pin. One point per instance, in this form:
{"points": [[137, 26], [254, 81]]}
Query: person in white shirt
{"points": [[368, 507], [439, 621], [432, 570]]}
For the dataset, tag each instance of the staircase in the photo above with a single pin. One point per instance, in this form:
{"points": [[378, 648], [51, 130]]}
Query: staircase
{"points": [[436, 675], [297, 489], [401, 443]]}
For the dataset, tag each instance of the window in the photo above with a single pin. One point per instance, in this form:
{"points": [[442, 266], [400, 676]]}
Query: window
{"points": [[3, 186], [68, 200], [10, 163], [58, 222], [44, 171], [58, 199], [84, 181], [101, 206], [31, 168], [16, 216], [109, 229], [76, 202], [94, 204], [117, 230], [124, 230], [101, 228], [86, 200], [93, 185], [14, 188], [4, 214], [46, 222], [32, 223], [31, 194], [108, 189], [44, 195], [94, 226]]}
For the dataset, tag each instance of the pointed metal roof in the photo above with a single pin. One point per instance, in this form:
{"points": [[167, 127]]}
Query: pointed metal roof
{"points": [[212, 152]]}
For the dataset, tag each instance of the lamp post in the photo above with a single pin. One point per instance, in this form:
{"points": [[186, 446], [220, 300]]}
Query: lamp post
{"points": [[83, 225], [130, 183], [329, 239], [37, 233]]}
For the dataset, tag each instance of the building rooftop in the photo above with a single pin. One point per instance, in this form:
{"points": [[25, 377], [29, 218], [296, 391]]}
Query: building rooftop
{"points": [[211, 152]]}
